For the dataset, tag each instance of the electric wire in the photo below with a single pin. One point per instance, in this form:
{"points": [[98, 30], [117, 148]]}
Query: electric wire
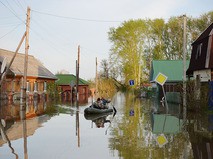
{"points": [[11, 31], [79, 19], [50, 43], [11, 10], [47, 31], [20, 5]]}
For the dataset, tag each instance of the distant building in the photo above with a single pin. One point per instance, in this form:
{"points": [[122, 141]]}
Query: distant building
{"points": [[67, 82], [173, 69], [201, 62], [37, 76]]}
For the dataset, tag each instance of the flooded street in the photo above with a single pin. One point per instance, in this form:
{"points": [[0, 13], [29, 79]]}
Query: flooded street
{"points": [[139, 130]]}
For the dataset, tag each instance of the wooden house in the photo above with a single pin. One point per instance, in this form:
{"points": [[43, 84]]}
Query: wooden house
{"points": [[67, 82], [173, 69], [37, 76], [201, 62]]}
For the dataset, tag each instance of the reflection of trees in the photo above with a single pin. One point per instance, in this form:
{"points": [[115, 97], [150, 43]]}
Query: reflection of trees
{"points": [[133, 137], [200, 130]]}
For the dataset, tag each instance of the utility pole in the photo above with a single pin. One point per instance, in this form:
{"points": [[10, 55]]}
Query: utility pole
{"points": [[184, 67], [24, 85], [96, 76], [23, 89], [77, 72]]}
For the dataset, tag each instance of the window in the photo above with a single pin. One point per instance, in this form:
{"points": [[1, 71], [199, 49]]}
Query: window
{"points": [[199, 50]]}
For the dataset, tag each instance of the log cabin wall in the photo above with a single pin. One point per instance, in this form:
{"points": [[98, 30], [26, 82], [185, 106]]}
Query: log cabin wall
{"points": [[12, 87]]}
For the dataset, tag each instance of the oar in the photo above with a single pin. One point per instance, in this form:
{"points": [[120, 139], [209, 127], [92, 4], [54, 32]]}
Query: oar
{"points": [[115, 111]]}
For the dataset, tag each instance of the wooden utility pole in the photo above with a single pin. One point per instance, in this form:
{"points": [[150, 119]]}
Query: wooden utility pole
{"points": [[184, 66], [96, 77], [77, 72], [23, 89]]}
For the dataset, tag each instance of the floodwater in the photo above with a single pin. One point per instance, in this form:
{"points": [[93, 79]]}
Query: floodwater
{"points": [[139, 130]]}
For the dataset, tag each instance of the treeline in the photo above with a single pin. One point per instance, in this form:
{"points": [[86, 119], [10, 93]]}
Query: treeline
{"points": [[135, 43]]}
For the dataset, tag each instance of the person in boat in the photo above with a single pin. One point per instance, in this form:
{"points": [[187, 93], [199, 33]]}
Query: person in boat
{"points": [[99, 104], [104, 101]]}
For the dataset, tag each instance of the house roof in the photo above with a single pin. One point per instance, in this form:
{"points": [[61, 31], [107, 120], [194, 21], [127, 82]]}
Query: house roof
{"points": [[206, 33], [65, 79], [173, 69], [202, 51], [35, 67]]}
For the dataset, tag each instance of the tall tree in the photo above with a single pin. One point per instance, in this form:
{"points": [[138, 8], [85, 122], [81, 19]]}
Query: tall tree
{"points": [[105, 69], [137, 42], [127, 49]]}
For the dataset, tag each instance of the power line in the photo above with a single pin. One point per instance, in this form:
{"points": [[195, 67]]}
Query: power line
{"points": [[20, 5], [51, 44], [79, 19], [11, 11], [10, 31]]}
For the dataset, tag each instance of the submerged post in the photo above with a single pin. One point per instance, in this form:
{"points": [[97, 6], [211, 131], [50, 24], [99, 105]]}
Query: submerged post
{"points": [[184, 66]]}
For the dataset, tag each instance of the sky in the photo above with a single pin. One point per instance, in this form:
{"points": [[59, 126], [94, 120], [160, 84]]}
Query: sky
{"points": [[58, 27]]}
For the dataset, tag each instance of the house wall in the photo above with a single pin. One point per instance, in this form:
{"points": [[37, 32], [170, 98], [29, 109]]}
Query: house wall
{"points": [[83, 92], [12, 87], [210, 52], [204, 75], [172, 91]]}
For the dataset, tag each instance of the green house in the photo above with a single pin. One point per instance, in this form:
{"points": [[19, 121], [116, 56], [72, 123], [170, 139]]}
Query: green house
{"points": [[67, 82], [69, 79], [173, 69]]}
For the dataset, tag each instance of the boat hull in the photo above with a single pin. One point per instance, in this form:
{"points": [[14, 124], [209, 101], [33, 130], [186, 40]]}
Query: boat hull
{"points": [[91, 110]]}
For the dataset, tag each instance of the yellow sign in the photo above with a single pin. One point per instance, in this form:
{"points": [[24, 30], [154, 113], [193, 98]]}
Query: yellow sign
{"points": [[161, 140], [161, 79]]}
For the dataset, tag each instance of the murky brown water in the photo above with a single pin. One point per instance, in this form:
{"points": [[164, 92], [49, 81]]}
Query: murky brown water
{"points": [[62, 131]]}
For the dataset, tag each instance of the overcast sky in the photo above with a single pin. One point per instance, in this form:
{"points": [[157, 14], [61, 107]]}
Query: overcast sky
{"points": [[57, 27]]}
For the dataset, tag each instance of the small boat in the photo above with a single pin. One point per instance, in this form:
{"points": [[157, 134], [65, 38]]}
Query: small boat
{"points": [[94, 117], [93, 110]]}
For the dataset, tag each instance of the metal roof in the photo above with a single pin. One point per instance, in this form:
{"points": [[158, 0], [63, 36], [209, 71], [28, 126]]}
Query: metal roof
{"points": [[35, 67], [173, 69], [65, 79]]}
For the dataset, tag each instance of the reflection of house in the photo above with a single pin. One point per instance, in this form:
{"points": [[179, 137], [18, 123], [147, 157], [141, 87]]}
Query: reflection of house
{"points": [[200, 135], [16, 130], [165, 123], [173, 69], [66, 82], [202, 148], [201, 62], [37, 75]]}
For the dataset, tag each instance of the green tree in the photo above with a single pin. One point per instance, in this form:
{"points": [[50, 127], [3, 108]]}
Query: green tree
{"points": [[136, 43], [127, 49], [105, 69]]}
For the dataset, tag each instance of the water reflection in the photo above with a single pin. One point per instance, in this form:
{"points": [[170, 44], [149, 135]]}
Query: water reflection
{"points": [[5, 137], [98, 119], [135, 134], [20, 122], [201, 134], [137, 131]]}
